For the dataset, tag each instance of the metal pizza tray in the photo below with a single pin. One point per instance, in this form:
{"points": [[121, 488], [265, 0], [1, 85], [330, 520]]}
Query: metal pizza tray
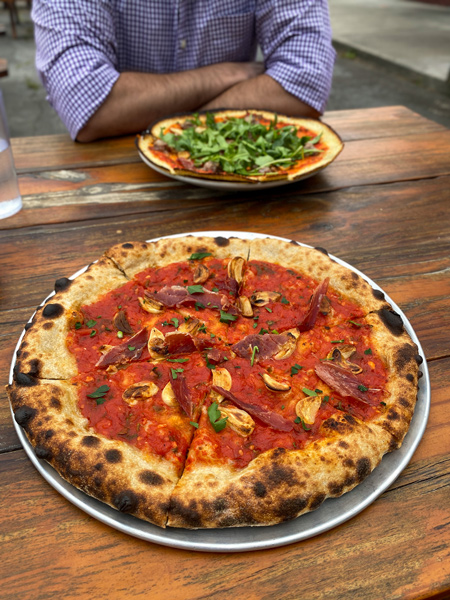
{"points": [[331, 513]]}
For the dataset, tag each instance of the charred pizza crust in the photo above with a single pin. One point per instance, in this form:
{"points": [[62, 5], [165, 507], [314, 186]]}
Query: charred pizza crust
{"points": [[333, 145], [277, 485]]}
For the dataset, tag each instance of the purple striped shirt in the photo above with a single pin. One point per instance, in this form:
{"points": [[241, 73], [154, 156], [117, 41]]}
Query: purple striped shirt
{"points": [[83, 45]]}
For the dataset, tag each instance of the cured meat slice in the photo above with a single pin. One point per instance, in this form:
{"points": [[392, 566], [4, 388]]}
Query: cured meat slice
{"points": [[125, 352]]}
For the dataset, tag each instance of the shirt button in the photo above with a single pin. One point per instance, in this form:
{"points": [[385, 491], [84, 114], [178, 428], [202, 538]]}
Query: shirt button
{"points": [[182, 44]]}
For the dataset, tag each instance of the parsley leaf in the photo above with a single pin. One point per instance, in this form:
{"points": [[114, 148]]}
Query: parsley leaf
{"points": [[215, 417], [195, 289], [199, 255], [226, 317], [99, 394], [309, 392], [295, 369]]}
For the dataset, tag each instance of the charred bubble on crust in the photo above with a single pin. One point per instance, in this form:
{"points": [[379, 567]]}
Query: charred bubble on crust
{"points": [[392, 320], [56, 403], [289, 508], [113, 456], [28, 325], [24, 379], [419, 374], [377, 294], [404, 356], [410, 377], [316, 501], [151, 478], [127, 245], [221, 241], [52, 311], [49, 434], [127, 501], [90, 441], [219, 505], [187, 513], [393, 415], [278, 475], [343, 444], [47, 325], [62, 284], [24, 415], [320, 249], [294, 243], [404, 402], [42, 452], [278, 452], [418, 359], [363, 468], [99, 466], [259, 489]]}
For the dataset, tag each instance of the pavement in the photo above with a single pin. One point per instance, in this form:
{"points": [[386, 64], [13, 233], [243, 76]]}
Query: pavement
{"points": [[390, 52]]}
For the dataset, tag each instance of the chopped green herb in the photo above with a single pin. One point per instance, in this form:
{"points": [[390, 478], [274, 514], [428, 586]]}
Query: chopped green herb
{"points": [[262, 331], [255, 325], [194, 424], [175, 322], [254, 351], [336, 341], [93, 332], [356, 324], [227, 318], [268, 309], [215, 289], [297, 420], [131, 348], [275, 331], [295, 369], [325, 398], [175, 372], [178, 360], [284, 300], [195, 289], [213, 335], [99, 392], [120, 334], [368, 351], [318, 391], [216, 418], [362, 387], [199, 255], [304, 426], [309, 392], [202, 328], [91, 323], [282, 408], [78, 325], [199, 305]]}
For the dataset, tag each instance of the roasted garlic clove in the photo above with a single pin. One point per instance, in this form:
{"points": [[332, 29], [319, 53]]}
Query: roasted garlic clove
{"points": [[157, 345], [264, 297], [238, 420], [190, 325], [168, 396], [120, 322], [201, 273], [222, 378], [274, 385], [307, 408], [244, 306], [105, 348], [339, 356], [151, 305], [288, 348], [139, 391], [236, 268]]}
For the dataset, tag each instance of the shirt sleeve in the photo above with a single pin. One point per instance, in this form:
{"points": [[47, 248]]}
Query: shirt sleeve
{"points": [[75, 56], [295, 38]]}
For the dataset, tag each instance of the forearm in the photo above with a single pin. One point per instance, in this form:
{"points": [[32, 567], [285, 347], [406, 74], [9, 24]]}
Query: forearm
{"points": [[137, 99], [262, 92]]}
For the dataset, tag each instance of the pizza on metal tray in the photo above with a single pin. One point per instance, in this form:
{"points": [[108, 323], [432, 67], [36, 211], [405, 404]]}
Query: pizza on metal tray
{"points": [[211, 382], [240, 146]]}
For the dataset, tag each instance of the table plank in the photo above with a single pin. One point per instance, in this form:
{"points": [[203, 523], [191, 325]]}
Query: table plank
{"points": [[60, 152], [384, 552]]}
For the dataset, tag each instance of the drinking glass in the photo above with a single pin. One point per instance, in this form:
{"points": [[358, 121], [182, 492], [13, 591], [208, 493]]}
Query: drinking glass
{"points": [[10, 199]]}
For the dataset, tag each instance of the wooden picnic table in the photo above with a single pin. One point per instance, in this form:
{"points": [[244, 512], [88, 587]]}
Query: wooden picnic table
{"points": [[384, 207]]}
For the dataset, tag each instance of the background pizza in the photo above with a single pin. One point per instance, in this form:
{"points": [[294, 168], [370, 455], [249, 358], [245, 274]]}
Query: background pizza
{"points": [[241, 146], [212, 382]]}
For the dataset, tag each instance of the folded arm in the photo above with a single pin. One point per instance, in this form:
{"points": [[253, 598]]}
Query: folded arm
{"points": [[137, 99]]}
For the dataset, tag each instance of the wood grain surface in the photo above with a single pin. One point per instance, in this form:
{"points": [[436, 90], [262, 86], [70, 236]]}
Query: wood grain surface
{"points": [[384, 207]]}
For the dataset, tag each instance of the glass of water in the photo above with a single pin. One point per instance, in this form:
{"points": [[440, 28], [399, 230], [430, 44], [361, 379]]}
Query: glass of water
{"points": [[10, 199]]}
